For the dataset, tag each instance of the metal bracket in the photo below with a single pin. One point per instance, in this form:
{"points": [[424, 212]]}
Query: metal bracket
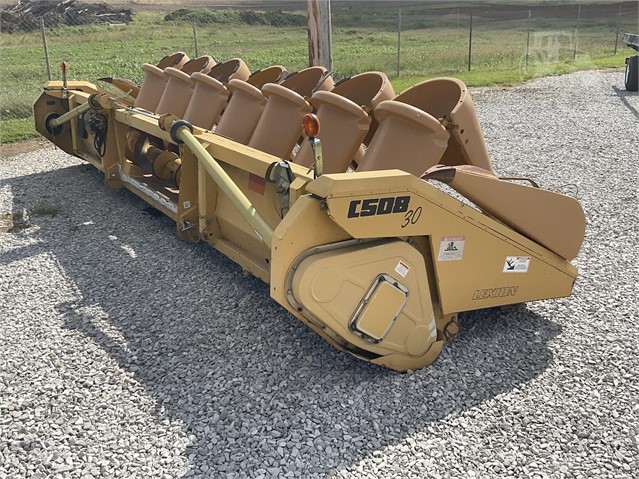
{"points": [[280, 174], [318, 166]]}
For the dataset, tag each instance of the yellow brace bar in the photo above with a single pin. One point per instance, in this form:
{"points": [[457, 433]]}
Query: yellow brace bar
{"points": [[181, 131]]}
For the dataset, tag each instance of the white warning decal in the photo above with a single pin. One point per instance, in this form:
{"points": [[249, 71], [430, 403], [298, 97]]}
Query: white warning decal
{"points": [[516, 264], [402, 269], [451, 248]]}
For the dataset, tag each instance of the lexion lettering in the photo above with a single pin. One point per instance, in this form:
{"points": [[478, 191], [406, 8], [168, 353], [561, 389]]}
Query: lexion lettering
{"points": [[495, 292]]}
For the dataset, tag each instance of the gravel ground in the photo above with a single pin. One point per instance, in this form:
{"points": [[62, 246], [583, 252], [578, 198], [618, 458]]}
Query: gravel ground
{"points": [[125, 352]]}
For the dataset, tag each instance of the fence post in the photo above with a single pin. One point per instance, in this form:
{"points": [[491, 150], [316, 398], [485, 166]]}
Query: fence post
{"points": [[574, 52], [470, 42], [528, 37], [617, 33], [320, 36], [46, 50], [399, 37], [457, 20], [197, 53]]}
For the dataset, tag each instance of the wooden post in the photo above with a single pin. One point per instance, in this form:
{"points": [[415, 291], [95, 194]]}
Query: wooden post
{"points": [[470, 42], [320, 51]]}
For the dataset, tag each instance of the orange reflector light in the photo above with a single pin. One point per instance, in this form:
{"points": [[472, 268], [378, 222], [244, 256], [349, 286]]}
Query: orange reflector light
{"points": [[63, 67], [310, 125]]}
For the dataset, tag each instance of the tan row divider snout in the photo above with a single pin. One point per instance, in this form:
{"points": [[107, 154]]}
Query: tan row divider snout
{"points": [[280, 125], [343, 128], [553, 220], [210, 95], [156, 78], [407, 139]]}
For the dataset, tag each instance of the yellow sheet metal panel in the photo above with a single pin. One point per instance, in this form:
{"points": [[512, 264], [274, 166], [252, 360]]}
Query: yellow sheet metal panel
{"points": [[339, 286], [472, 276]]}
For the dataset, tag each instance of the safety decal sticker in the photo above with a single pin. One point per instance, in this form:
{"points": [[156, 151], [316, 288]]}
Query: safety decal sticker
{"points": [[402, 269], [451, 248], [516, 264]]}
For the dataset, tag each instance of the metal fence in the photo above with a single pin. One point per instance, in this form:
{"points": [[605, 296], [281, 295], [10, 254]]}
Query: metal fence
{"points": [[403, 40]]}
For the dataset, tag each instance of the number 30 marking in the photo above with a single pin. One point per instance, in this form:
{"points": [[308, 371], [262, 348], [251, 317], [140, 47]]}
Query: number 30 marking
{"points": [[412, 216]]}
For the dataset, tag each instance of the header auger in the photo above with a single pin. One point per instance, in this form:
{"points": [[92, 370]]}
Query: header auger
{"points": [[348, 228]]}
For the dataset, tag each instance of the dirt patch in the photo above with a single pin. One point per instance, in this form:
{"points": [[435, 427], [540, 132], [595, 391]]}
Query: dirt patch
{"points": [[12, 149], [14, 222]]}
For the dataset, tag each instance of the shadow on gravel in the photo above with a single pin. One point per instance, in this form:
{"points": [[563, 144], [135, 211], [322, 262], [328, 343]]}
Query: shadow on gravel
{"points": [[253, 387], [623, 96]]}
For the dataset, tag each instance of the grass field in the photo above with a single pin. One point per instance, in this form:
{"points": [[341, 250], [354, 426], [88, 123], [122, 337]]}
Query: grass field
{"points": [[364, 38]]}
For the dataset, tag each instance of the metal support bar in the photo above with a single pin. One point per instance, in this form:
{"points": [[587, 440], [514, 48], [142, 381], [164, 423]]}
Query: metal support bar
{"points": [[95, 102], [182, 132], [70, 115], [316, 146]]}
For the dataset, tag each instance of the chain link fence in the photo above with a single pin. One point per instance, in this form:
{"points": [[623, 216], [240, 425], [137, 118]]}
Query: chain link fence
{"points": [[409, 41], [525, 39]]}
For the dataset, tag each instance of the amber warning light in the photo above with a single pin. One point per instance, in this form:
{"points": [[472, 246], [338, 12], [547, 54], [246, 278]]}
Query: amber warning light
{"points": [[311, 125]]}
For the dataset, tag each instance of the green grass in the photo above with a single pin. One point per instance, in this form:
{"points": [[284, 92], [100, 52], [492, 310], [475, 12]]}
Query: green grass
{"points": [[515, 76], [363, 39], [20, 129]]}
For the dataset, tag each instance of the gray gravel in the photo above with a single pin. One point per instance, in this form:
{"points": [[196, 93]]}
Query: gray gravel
{"points": [[125, 352]]}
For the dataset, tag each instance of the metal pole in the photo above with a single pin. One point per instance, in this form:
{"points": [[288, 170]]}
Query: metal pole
{"points": [[197, 53], [528, 38], [46, 50], [574, 52], [617, 33], [96, 101], [70, 115], [399, 37], [470, 42], [457, 20]]}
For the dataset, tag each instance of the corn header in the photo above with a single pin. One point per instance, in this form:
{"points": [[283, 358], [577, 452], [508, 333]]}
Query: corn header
{"points": [[375, 217]]}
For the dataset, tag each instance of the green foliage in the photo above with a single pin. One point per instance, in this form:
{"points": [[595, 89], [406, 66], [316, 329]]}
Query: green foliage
{"points": [[274, 18], [203, 16]]}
